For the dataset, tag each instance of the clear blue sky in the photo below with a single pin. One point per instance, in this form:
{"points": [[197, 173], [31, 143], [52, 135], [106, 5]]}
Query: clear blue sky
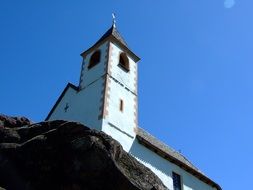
{"points": [[195, 73]]}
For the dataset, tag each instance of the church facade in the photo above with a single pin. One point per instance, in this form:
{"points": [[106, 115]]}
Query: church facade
{"points": [[106, 99]]}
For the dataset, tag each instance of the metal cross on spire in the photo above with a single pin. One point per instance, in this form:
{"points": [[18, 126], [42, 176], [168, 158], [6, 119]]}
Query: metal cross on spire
{"points": [[114, 20]]}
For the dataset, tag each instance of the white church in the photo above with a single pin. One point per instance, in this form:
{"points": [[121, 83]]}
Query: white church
{"points": [[106, 99]]}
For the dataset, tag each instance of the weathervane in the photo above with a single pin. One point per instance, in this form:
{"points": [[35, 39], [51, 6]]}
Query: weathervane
{"points": [[114, 20]]}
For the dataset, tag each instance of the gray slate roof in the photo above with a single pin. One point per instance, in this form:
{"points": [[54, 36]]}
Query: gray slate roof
{"points": [[115, 33], [172, 155], [165, 148]]}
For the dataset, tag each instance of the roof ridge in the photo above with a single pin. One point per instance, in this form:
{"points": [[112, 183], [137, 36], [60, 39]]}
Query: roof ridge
{"points": [[168, 147]]}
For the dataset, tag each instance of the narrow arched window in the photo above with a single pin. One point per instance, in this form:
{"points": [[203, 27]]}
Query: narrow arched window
{"points": [[124, 61], [94, 59]]}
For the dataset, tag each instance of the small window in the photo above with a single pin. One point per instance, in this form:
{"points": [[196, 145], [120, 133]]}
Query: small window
{"points": [[94, 59], [176, 181], [124, 62], [121, 105]]}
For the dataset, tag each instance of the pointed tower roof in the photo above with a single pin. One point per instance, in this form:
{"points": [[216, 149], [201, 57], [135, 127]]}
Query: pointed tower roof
{"points": [[114, 32], [113, 35]]}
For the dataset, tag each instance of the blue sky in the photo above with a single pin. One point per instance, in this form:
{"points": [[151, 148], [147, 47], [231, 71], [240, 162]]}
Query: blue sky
{"points": [[195, 73]]}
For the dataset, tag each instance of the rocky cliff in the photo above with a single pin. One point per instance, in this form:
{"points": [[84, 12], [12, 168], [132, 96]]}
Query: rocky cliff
{"points": [[68, 156]]}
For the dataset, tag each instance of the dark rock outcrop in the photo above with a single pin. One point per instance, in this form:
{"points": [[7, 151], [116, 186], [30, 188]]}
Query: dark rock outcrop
{"points": [[68, 156], [11, 122]]}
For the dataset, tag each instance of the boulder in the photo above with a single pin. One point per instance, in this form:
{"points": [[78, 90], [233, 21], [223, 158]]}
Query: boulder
{"points": [[68, 156]]}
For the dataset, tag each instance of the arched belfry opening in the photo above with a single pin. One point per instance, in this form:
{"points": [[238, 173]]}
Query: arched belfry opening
{"points": [[94, 59], [124, 61]]}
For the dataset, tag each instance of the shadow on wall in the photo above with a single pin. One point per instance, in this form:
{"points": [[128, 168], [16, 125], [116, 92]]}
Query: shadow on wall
{"points": [[160, 166]]}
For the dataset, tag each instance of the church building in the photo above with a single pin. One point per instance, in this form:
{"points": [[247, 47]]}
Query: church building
{"points": [[106, 99]]}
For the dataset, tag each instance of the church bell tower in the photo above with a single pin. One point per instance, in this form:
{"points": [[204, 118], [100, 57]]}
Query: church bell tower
{"points": [[106, 98]]}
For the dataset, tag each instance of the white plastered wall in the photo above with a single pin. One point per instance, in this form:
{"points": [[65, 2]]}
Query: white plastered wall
{"points": [[81, 106], [120, 124], [84, 105], [127, 78], [163, 169], [88, 76]]}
